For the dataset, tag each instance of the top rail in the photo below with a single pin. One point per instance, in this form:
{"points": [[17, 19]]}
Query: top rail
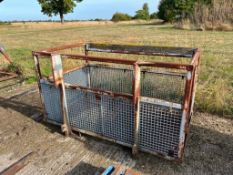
{"points": [[54, 49], [142, 50], [188, 67]]}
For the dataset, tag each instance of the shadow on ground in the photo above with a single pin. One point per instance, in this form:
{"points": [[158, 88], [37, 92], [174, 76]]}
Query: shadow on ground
{"points": [[208, 151], [27, 109], [85, 169]]}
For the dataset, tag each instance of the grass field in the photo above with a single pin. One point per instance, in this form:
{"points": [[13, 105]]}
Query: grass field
{"points": [[215, 88]]}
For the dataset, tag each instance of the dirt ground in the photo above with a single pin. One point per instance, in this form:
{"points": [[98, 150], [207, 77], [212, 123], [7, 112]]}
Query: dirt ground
{"points": [[209, 146]]}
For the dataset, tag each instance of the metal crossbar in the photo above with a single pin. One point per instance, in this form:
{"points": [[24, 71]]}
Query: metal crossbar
{"points": [[145, 109]]}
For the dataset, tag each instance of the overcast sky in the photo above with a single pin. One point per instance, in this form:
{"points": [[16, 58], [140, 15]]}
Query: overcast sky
{"points": [[88, 9]]}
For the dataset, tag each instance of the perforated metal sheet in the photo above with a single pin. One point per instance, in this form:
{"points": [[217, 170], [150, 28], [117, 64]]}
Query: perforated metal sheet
{"points": [[159, 128], [51, 96]]}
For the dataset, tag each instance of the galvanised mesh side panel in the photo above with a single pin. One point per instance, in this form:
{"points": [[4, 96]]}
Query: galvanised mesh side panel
{"points": [[118, 121], [159, 128], [52, 102], [84, 110], [77, 77], [111, 79], [166, 86], [113, 117], [169, 87]]}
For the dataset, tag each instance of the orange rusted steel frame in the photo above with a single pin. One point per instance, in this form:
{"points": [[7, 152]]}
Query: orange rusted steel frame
{"points": [[54, 49], [136, 104], [17, 166], [189, 86], [8, 76], [121, 61], [189, 67], [6, 56], [187, 101]]}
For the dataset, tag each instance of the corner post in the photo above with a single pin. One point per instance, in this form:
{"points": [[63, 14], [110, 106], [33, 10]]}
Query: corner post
{"points": [[185, 114], [39, 77], [59, 82], [86, 52], [87, 64], [136, 101]]}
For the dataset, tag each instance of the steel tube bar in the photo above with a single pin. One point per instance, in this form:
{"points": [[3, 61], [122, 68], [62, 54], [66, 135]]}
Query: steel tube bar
{"points": [[8, 76], [136, 100], [185, 114], [122, 61], [39, 77], [99, 91], [188, 98], [17, 166], [6, 56], [54, 49], [59, 82], [66, 124], [196, 57]]}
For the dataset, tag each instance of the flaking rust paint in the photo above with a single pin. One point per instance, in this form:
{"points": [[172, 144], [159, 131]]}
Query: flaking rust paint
{"points": [[136, 100], [189, 88]]}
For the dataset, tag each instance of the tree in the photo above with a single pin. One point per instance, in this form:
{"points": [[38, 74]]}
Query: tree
{"points": [[167, 10], [177, 10], [121, 17], [55, 7], [1, 0], [143, 13], [154, 15], [183, 8]]}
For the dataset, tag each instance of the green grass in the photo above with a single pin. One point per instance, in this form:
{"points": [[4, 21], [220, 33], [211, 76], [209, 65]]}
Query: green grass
{"points": [[215, 84]]}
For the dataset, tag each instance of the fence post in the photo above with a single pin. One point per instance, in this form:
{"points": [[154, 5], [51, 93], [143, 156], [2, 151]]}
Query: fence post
{"points": [[136, 100], [59, 82]]}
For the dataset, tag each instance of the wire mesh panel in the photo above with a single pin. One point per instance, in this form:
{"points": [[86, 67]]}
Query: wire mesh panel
{"points": [[160, 128], [104, 98], [84, 110], [111, 79], [118, 121], [163, 85], [77, 77], [51, 96], [113, 117]]}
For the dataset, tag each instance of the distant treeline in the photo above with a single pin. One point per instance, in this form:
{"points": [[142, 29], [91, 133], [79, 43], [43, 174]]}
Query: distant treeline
{"points": [[38, 21], [200, 14], [205, 14], [142, 14]]}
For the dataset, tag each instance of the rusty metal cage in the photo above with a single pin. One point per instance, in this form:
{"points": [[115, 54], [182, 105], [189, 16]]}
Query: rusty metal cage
{"points": [[146, 105]]}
